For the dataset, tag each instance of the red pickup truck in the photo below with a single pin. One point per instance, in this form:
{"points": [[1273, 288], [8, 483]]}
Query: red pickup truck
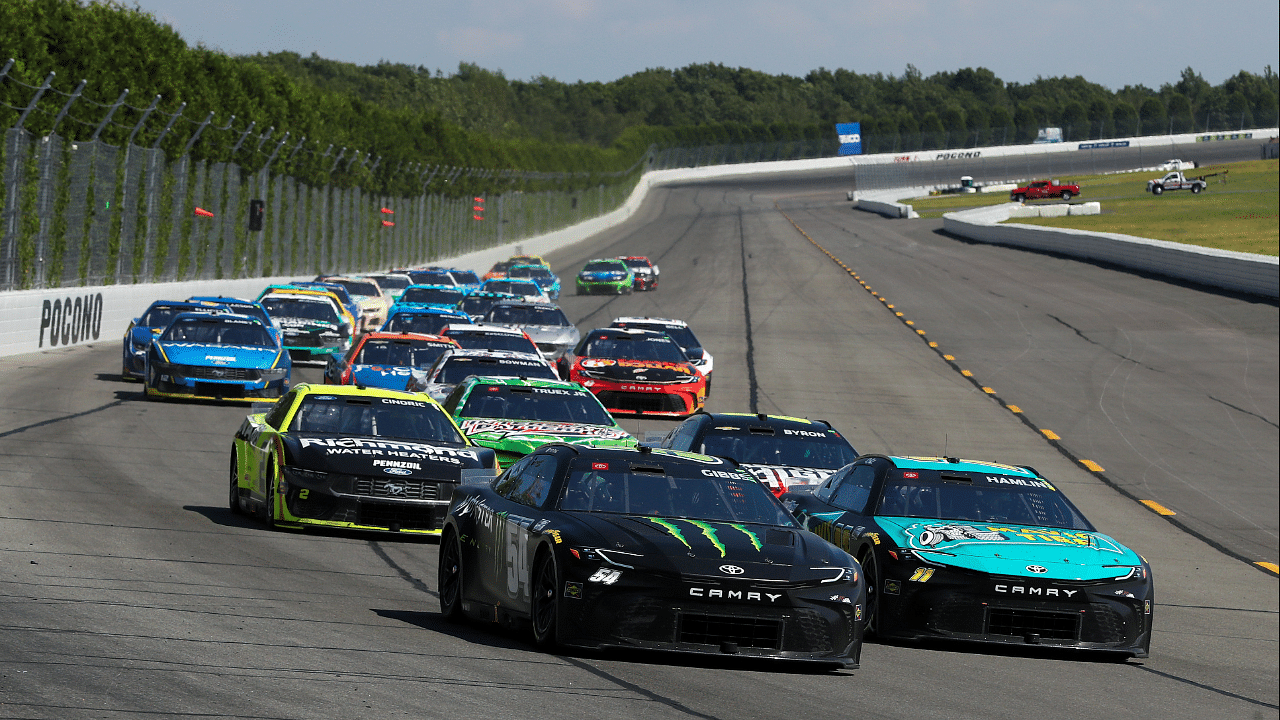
{"points": [[1044, 189]]}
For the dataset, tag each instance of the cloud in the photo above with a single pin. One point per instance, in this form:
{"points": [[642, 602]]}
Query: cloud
{"points": [[480, 42]]}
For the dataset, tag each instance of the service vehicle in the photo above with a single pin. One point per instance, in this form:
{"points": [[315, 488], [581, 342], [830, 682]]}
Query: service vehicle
{"points": [[1176, 181], [605, 275], [1176, 164], [222, 356], [548, 281], [679, 331], [426, 320], [478, 303], [1041, 189], [344, 457], [385, 359], [490, 337], [781, 452], [144, 328], [454, 366], [645, 272], [637, 372], [312, 324], [647, 549], [515, 416], [965, 550], [546, 325], [368, 296]]}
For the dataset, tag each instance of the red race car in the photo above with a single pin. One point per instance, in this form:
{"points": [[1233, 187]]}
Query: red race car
{"points": [[637, 372], [385, 360], [645, 272]]}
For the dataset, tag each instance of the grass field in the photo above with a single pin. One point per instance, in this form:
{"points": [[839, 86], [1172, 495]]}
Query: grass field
{"points": [[1239, 211]]}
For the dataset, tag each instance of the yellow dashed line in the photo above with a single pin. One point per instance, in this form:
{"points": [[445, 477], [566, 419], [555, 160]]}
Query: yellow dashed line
{"points": [[1050, 434], [933, 344], [949, 358], [1160, 509], [1269, 566], [1014, 409], [966, 373], [988, 391], [919, 332], [1092, 465], [897, 313], [910, 322]]}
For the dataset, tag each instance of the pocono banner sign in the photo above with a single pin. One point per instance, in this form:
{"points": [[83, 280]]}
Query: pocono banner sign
{"points": [[850, 135]]}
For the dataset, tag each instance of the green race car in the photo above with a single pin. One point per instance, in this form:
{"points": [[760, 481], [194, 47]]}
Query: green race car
{"points": [[608, 276], [354, 458], [515, 416]]}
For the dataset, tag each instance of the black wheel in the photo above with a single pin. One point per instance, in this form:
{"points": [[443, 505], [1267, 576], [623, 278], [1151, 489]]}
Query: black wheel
{"points": [[269, 507], [449, 580], [871, 576], [546, 601], [1195, 189], [1066, 195], [1019, 198], [1157, 189], [233, 498]]}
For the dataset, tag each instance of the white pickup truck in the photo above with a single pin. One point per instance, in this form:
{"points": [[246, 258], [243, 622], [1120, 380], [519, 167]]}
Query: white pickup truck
{"points": [[1176, 164], [1176, 181]]}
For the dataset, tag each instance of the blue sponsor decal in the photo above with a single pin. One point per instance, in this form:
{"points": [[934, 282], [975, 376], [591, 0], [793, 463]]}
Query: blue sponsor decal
{"points": [[850, 135]]}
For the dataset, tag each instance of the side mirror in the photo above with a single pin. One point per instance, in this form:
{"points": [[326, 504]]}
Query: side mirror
{"points": [[694, 353]]}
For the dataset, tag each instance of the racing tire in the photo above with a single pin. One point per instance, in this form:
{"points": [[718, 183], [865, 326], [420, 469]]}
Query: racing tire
{"points": [[1019, 198], [1157, 189], [449, 579], [233, 497], [269, 505], [1066, 196], [871, 577], [545, 603], [1195, 189]]}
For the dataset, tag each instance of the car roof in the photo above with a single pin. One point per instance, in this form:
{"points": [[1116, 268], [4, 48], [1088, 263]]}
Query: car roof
{"points": [[959, 465], [641, 454], [522, 382], [500, 354], [360, 391], [743, 420], [670, 322], [484, 330], [614, 332], [405, 335]]}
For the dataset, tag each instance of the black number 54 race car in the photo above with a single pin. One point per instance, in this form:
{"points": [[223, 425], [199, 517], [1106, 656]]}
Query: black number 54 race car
{"points": [[650, 549]]}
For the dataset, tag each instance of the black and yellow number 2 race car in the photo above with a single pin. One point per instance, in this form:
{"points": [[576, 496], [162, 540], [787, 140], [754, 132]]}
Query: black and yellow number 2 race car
{"points": [[346, 457]]}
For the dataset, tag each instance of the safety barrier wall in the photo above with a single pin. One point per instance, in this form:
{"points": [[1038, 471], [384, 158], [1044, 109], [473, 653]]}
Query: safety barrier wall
{"points": [[1240, 272]]}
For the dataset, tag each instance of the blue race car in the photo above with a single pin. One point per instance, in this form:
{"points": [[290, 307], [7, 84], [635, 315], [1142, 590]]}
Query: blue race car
{"points": [[217, 357], [439, 296], [144, 328], [242, 307], [976, 551], [427, 320], [541, 274]]}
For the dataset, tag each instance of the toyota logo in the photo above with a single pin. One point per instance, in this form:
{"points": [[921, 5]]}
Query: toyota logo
{"points": [[1037, 569], [731, 570], [391, 489]]}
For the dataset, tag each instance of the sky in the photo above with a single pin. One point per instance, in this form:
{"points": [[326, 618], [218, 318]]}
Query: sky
{"points": [[1110, 43]]}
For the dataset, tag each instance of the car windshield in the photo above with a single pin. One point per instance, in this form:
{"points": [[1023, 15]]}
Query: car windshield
{"points": [[251, 309], [525, 315], [457, 369], [548, 404], [375, 417], [280, 306], [430, 277], [605, 266], [682, 335], [336, 289], [673, 491], [637, 263], [393, 282], [431, 295], [981, 501], [493, 341], [420, 322], [480, 304], [400, 353], [635, 347], [531, 271], [816, 449], [358, 287], [213, 330], [524, 288], [465, 277], [160, 315]]}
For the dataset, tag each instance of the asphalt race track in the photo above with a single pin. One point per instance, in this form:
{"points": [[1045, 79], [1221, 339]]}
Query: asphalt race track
{"points": [[129, 589]]}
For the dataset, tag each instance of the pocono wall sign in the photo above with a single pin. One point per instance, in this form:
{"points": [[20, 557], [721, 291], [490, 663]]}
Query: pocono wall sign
{"points": [[850, 135]]}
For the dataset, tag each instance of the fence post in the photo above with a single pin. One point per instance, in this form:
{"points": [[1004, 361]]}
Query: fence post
{"points": [[196, 135], [146, 113], [63, 113], [168, 126], [44, 86], [243, 135]]}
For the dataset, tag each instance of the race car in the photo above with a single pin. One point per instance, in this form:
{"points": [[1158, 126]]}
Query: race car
{"points": [[478, 303], [646, 273], [498, 271], [311, 322], [781, 452], [636, 372], [438, 296], [525, 289], [144, 328], [609, 276], [350, 307], [432, 276], [392, 284], [346, 457], [454, 366], [385, 360], [515, 416], [980, 551], [541, 274], [203, 356], [679, 331], [490, 337], [368, 296], [647, 549], [426, 320], [241, 307], [545, 324]]}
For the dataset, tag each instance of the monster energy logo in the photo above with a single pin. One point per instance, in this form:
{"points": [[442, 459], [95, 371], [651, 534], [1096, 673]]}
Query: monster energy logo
{"points": [[709, 531]]}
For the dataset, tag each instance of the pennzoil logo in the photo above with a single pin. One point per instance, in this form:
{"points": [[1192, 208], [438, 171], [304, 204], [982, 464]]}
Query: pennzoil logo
{"points": [[708, 531]]}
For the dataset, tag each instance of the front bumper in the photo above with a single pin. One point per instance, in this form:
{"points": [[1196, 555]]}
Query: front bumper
{"points": [[646, 282], [642, 398], [612, 287], [193, 382], [354, 502]]}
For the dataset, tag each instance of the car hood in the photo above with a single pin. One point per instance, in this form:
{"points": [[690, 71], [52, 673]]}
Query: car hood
{"points": [[702, 548], [524, 436], [237, 356], [382, 457], [635, 370], [393, 377], [609, 275], [558, 334], [1005, 549]]}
